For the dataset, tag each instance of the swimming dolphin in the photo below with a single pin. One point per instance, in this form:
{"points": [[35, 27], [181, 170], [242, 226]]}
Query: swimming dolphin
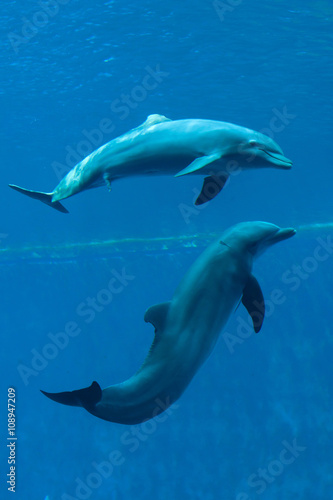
{"points": [[162, 147], [187, 327]]}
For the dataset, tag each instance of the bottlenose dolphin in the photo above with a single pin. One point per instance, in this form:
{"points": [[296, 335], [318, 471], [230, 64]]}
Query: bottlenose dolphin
{"points": [[187, 327], [161, 146]]}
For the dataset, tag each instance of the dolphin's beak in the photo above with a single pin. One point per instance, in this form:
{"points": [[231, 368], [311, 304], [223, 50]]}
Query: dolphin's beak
{"points": [[280, 235], [277, 159]]}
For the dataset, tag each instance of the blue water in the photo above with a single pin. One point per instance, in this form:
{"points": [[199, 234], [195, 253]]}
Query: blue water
{"points": [[240, 61]]}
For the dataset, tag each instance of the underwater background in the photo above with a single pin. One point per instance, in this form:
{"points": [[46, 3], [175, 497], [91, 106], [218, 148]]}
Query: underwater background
{"points": [[66, 69]]}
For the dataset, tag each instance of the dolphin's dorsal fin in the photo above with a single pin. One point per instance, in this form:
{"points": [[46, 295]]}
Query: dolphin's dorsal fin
{"points": [[199, 163], [154, 119], [156, 315], [254, 302], [132, 134]]}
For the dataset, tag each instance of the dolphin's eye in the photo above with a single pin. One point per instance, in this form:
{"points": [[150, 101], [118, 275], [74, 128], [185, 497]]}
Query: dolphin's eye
{"points": [[253, 143]]}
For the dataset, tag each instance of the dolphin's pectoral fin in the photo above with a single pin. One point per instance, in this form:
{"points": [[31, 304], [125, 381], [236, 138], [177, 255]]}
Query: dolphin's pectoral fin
{"points": [[156, 315], [239, 303], [211, 187], [199, 163], [87, 398], [44, 197], [254, 302]]}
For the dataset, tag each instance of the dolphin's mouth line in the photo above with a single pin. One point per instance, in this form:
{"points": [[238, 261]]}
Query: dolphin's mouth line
{"points": [[279, 158], [281, 234]]}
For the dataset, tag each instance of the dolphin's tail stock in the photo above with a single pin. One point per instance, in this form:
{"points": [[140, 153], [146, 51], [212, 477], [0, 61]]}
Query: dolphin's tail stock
{"points": [[87, 397], [44, 197]]}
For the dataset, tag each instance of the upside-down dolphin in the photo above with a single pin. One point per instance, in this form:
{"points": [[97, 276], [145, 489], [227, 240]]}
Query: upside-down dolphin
{"points": [[187, 327], [161, 146]]}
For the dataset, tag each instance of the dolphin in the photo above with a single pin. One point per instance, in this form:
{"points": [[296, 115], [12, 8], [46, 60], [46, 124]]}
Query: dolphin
{"points": [[187, 328], [161, 146]]}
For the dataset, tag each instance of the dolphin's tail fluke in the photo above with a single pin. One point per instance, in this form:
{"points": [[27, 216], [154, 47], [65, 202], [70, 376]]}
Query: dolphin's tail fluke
{"points": [[87, 398], [44, 197]]}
